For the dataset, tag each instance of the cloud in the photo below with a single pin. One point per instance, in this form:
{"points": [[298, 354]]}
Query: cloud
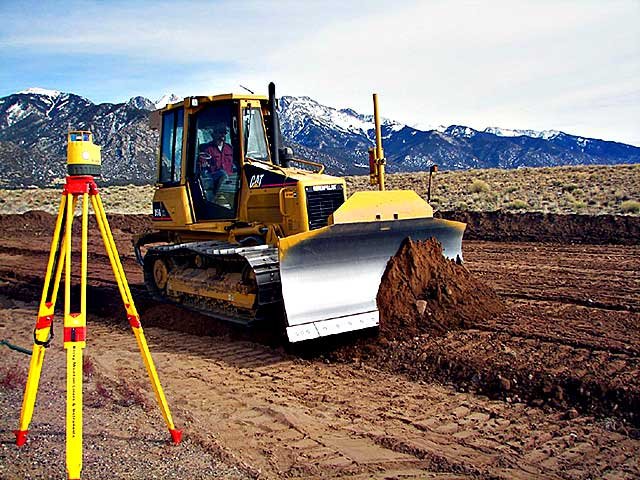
{"points": [[219, 31], [522, 64]]}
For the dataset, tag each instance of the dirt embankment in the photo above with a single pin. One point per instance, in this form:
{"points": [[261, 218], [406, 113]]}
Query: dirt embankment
{"points": [[37, 222], [548, 227], [492, 226]]}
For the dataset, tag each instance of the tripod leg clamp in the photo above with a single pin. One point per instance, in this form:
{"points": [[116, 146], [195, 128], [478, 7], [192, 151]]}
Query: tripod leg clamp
{"points": [[43, 322], [134, 320]]}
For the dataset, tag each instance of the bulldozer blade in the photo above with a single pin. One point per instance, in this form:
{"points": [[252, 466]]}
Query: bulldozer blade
{"points": [[331, 276]]}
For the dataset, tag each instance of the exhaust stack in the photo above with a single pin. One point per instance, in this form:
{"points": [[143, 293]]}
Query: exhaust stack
{"points": [[274, 125]]}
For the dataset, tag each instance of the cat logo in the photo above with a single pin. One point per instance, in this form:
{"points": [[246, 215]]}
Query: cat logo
{"points": [[256, 181]]}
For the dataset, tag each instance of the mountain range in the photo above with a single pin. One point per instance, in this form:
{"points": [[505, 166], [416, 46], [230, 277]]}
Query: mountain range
{"points": [[34, 122]]}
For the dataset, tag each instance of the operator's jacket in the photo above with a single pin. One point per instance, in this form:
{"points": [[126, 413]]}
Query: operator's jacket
{"points": [[220, 159]]}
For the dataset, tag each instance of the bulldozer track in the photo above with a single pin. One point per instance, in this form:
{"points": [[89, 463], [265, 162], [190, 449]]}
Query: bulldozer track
{"points": [[260, 261]]}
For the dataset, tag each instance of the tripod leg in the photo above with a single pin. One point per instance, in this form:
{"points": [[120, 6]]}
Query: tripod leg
{"points": [[132, 315], [74, 343], [43, 330]]}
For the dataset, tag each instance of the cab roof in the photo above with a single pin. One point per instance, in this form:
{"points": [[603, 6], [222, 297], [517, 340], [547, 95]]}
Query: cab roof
{"points": [[215, 98]]}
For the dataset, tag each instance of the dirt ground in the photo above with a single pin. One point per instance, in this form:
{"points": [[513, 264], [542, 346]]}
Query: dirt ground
{"points": [[548, 389]]}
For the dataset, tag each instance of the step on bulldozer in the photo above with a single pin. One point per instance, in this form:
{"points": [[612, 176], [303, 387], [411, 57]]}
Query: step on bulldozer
{"points": [[246, 232]]}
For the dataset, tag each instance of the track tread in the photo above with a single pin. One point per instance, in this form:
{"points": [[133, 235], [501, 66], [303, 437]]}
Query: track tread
{"points": [[262, 259]]}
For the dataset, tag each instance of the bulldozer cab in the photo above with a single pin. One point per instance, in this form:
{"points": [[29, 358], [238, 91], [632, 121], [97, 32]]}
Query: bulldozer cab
{"points": [[220, 134]]}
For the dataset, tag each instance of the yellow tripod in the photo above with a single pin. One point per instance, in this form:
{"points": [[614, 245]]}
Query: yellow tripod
{"points": [[75, 323]]}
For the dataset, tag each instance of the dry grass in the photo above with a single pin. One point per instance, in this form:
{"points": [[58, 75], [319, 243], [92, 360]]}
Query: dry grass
{"points": [[589, 190], [479, 186], [121, 199], [630, 206]]}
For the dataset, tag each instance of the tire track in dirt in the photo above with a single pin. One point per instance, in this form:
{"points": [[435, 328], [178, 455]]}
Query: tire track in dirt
{"points": [[548, 323], [625, 350], [605, 275], [572, 301]]}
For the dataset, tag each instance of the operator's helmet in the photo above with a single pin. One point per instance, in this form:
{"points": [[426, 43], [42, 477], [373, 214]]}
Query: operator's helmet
{"points": [[220, 130]]}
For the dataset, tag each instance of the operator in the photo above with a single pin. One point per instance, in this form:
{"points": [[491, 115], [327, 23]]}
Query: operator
{"points": [[216, 161]]}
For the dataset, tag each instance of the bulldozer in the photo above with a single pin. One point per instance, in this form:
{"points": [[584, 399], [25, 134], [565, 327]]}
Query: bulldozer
{"points": [[246, 232]]}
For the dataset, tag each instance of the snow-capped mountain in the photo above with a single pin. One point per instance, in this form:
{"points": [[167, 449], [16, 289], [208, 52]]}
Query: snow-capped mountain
{"points": [[141, 103], [34, 123], [41, 91], [347, 135], [508, 132], [33, 128], [343, 135], [297, 111]]}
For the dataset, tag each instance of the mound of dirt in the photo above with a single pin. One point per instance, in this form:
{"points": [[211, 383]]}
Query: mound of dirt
{"points": [[424, 292]]}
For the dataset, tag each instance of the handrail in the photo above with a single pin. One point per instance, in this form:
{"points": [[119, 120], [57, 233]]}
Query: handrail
{"points": [[320, 166], [309, 162]]}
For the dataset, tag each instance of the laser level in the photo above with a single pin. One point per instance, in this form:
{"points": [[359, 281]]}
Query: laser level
{"points": [[82, 157]]}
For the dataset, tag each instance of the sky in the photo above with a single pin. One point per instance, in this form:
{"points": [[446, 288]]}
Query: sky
{"points": [[569, 65]]}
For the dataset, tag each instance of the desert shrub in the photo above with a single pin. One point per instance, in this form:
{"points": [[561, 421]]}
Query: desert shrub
{"points": [[579, 205], [569, 187], [510, 189], [620, 195], [13, 378], [88, 367], [630, 206], [479, 186], [516, 205]]}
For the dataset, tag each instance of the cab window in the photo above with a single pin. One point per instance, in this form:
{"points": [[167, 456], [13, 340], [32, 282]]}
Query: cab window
{"points": [[255, 143], [171, 146], [214, 162]]}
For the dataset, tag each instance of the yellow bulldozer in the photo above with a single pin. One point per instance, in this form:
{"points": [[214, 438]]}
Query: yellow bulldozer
{"points": [[246, 232]]}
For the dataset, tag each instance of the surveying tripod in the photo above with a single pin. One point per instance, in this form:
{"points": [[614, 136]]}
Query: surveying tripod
{"points": [[74, 332]]}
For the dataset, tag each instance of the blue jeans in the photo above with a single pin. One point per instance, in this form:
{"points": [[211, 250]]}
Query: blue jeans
{"points": [[211, 181]]}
